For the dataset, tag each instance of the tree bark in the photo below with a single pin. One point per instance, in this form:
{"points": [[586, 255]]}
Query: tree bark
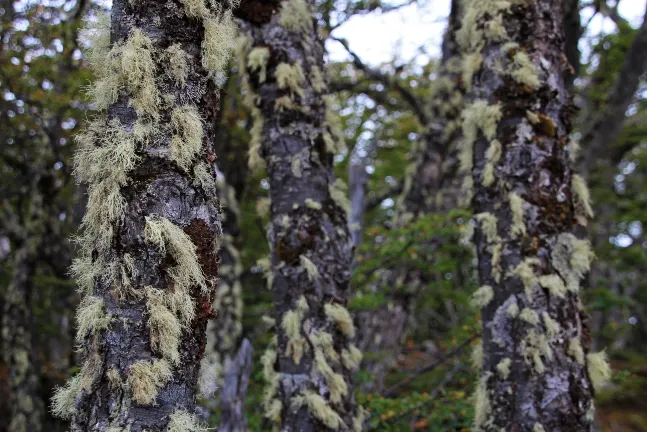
{"points": [[531, 212], [232, 399], [19, 353], [149, 261], [309, 372]]}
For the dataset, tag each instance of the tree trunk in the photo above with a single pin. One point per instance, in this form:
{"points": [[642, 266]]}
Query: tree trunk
{"points": [[19, 353], [309, 373], [531, 212], [431, 185], [232, 399], [149, 261]]}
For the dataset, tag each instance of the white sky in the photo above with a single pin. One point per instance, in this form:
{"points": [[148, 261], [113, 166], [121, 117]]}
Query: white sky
{"points": [[379, 38]]}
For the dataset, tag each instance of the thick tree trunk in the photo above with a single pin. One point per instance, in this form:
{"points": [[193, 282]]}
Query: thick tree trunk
{"points": [[149, 259], [309, 373], [531, 211]]}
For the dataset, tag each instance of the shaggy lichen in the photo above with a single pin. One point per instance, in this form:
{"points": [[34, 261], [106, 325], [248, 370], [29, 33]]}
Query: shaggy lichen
{"points": [[187, 271], [91, 317], [182, 421], [524, 71], [338, 192], [310, 268], [296, 16], [581, 194], [575, 350], [318, 407], [552, 326], [290, 77], [483, 296], [219, 41], [518, 227], [525, 272], [177, 63], [554, 284], [257, 61], [572, 258], [64, 397], [334, 381], [492, 157], [529, 316], [503, 368], [291, 323], [488, 223], [145, 379], [351, 357], [342, 318], [482, 407], [186, 143], [599, 369], [195, 8], [164, 326]]}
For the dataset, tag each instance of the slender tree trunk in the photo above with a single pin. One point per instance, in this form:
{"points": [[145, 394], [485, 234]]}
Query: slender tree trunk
{"points": [[309, 372], [19, 353], [531, 211], [431, 185], [149, 260], [232, 395]]}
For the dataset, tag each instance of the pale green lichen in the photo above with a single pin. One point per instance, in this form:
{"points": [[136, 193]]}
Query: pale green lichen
{"points": [[334, 381], [518, 227], [164, 326], [147, 378], [538, 428], [219, 41], [572, 258], [513, 310], [575, 350], [177, 63], [195, 8], [317, 79], [470, 64], [480, 116], [482, 407], [476, 356], [492, 157], [525, 272], [291, 323], [599, 369], [488, 223], [483, 296], [91, 317], [554, 284], [334, 133], [186, 142], [581, 194], [182, 421], [529, 316], [290, 77], [351, 357], [187, 271], [524, 70], [338, 192], [342, 318], [64, 397], [257, 62], [310, 268], [138, 73], [311, 204], [503, 368], [319, 408], [296, 16]]}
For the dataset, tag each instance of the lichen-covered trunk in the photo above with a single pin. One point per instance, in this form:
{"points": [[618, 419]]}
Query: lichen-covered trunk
{"points": [[148, 265], [531, 212], [295, 135], [431, 185], [19, 354]]}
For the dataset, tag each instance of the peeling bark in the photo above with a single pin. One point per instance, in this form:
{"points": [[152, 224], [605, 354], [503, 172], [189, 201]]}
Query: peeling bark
{"points": [[282, 61], [531, 215]]}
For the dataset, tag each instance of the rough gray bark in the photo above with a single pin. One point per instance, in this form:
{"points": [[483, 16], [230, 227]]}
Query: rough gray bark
{"points": [[149, 259], [232, 395], [531, 211], [309, 373]]}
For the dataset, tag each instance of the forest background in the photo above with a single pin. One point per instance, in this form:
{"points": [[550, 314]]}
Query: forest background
{"points": [[382, 68]]}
